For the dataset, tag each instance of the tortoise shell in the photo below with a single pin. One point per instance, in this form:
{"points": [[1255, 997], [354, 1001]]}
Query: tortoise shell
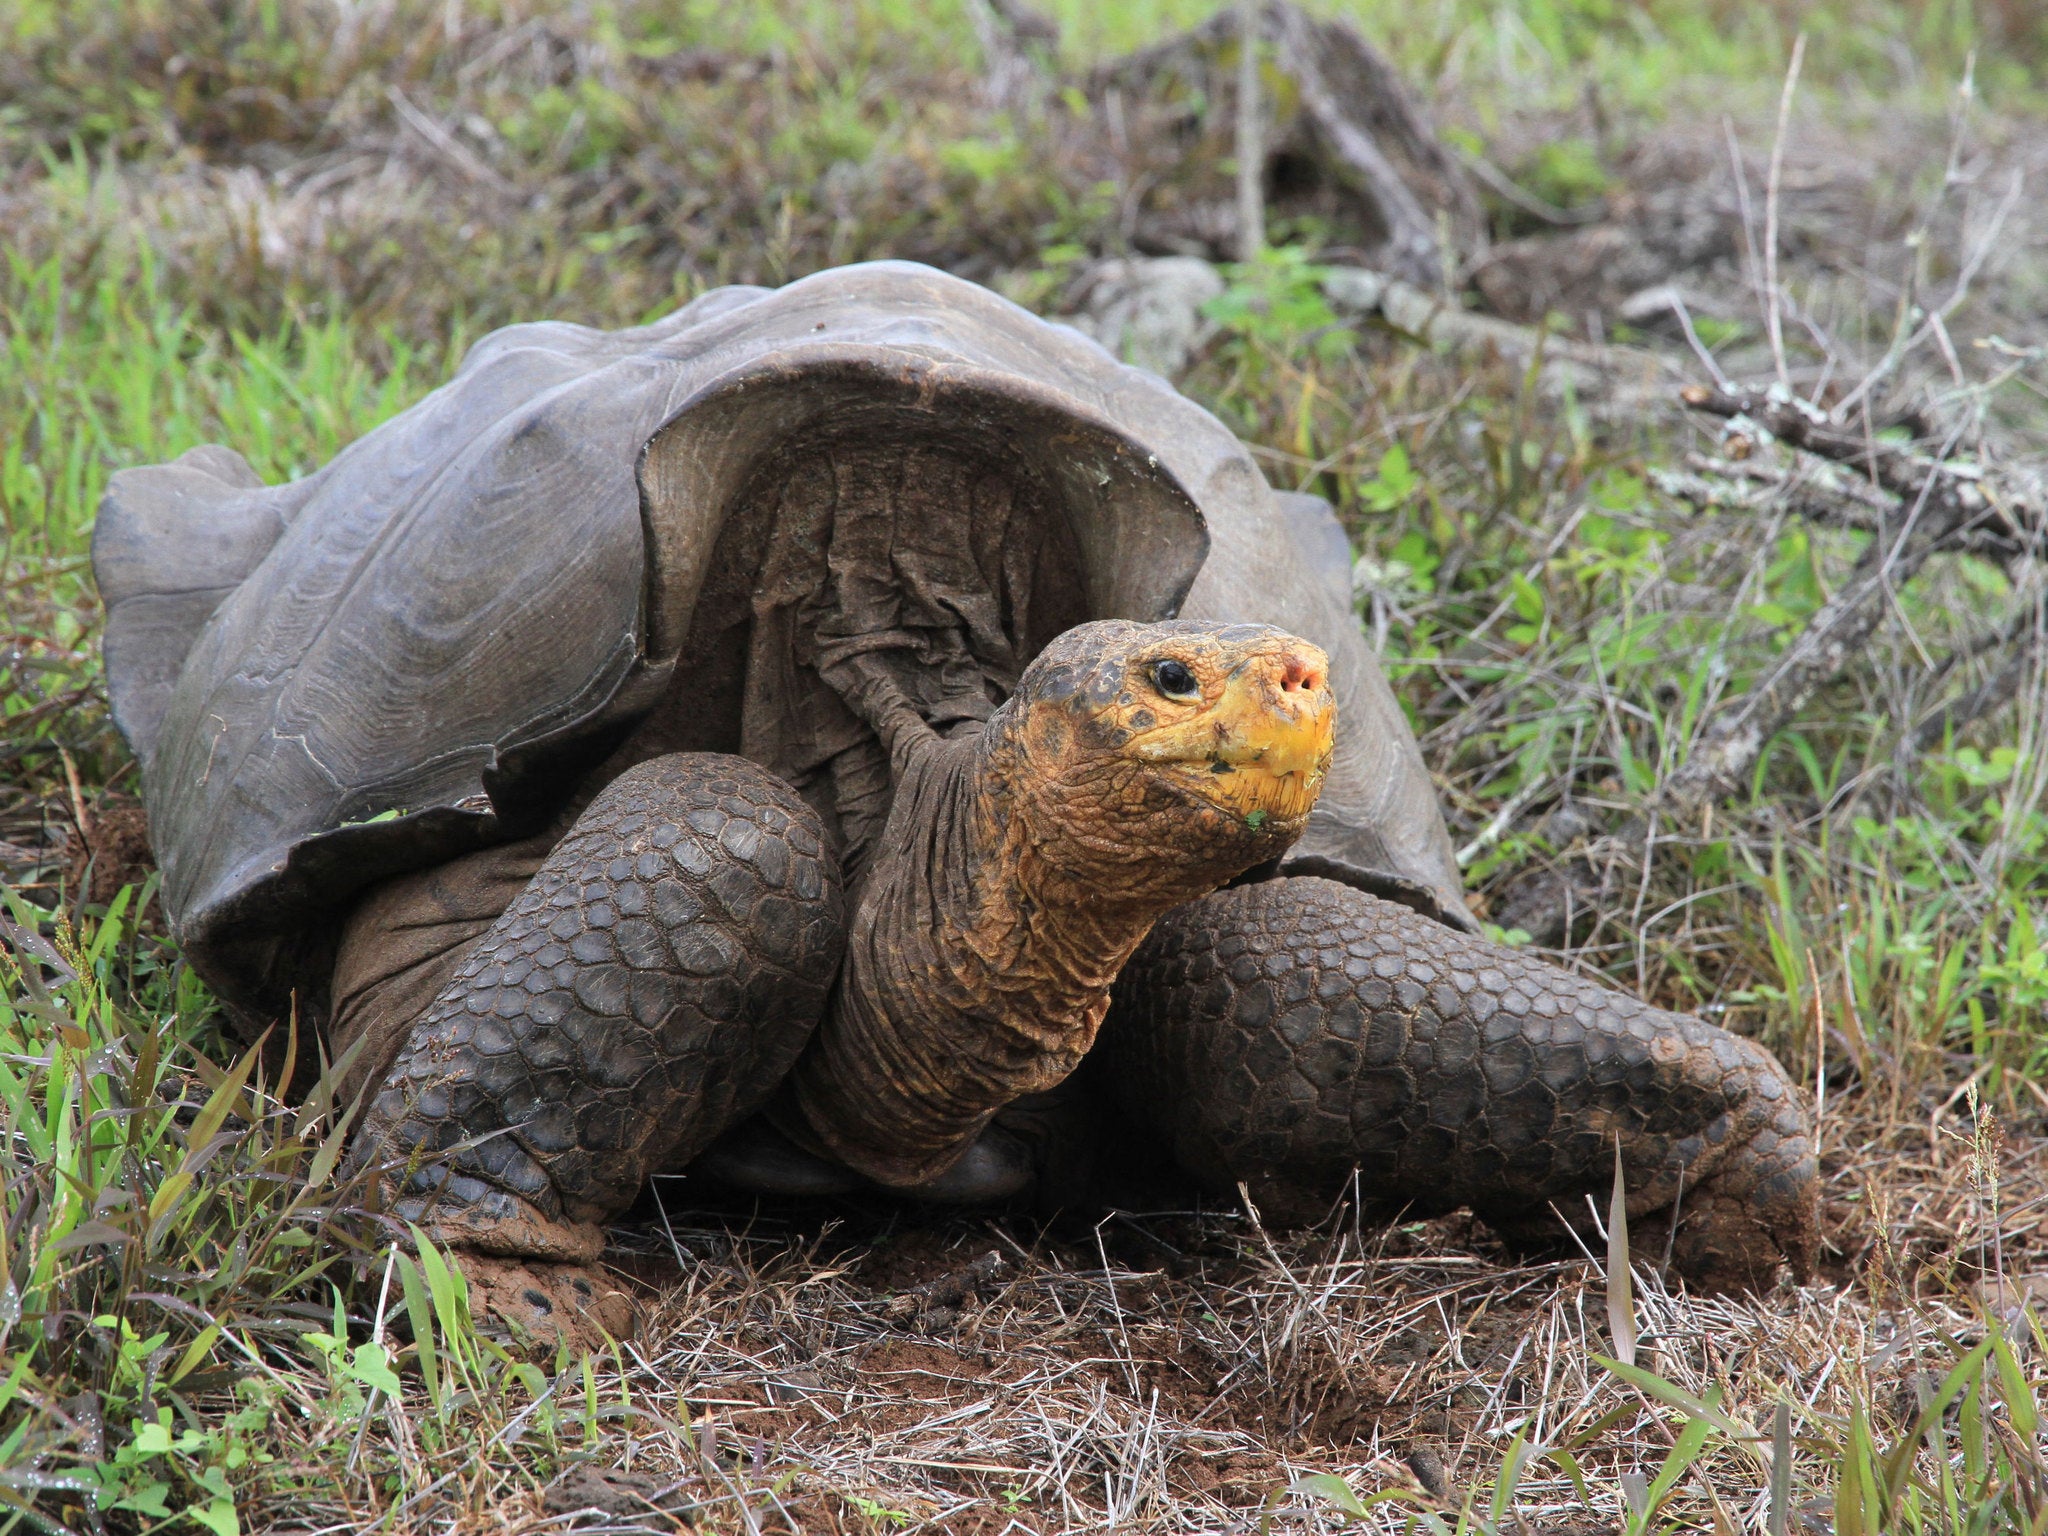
{"points": [[425, 646]]}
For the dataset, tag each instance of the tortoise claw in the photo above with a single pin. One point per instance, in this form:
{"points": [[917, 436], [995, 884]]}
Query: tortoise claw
{"points": [[577, 1304], [1756, 1210]]}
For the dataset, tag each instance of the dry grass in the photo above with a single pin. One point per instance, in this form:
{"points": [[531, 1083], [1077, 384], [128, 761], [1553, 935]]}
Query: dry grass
{"points": [[1179, 1371]]}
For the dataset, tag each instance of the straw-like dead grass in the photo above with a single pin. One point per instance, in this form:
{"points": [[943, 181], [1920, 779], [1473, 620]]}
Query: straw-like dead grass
{"points": [[878, 1369]]}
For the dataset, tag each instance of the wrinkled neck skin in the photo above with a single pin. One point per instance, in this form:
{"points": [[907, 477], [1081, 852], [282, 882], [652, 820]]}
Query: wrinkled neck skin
{"points": [[1003, 900]]}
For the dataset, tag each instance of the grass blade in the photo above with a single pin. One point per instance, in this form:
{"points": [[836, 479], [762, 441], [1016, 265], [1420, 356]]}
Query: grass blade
{"points": [[1621, 1300], [1779, 1520]]}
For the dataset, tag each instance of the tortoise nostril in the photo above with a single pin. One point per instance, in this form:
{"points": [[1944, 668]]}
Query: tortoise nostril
{"points": [[1299, 675]]}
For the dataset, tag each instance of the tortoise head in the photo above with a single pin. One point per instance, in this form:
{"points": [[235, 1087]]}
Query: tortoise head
{"points": [[1171, 755]]}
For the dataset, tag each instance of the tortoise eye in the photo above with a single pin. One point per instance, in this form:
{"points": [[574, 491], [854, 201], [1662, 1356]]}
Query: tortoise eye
{"points": [[1173, 679]]}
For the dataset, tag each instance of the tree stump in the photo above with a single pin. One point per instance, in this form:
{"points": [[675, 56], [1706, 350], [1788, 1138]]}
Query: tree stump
{"points": [[1346, 144]]}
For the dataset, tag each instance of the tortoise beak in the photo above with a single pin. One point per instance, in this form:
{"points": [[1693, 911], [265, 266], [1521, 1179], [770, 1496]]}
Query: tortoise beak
{"points": [[1275, 724]]}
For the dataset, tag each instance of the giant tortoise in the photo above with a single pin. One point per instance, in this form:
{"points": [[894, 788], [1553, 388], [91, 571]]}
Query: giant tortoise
{"points": [[768, 743]]}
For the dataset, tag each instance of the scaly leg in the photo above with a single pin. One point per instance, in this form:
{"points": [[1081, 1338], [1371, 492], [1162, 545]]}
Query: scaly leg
{"points": [[1285, 1033], [650, 986]]}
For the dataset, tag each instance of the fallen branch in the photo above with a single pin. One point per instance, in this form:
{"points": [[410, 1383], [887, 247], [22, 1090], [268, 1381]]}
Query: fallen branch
{"points": [[1589, 371], [1728, 748], [1942, 503], [1951, 505], [2000, 515], [1150, 312], [1816, 491], [1914, 505]]}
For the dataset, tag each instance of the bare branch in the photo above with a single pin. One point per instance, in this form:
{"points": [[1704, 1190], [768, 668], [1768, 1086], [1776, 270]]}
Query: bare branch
{"points": [[1504, 187], [1729, 746], [1941, 505], [1816, 491], [1997, 515], [1753, 264], [1774, 315], [1905, 341]]}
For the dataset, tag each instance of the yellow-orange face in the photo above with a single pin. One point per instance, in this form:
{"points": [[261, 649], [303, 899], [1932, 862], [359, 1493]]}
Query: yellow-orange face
{"points": [[1185, 742], [1244, 722]]}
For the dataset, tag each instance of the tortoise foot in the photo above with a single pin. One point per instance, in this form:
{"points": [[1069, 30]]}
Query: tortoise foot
{"points": [[1287, 1033], [755, 1158], [577, 1304], [1757, 1209], [650, 986]]}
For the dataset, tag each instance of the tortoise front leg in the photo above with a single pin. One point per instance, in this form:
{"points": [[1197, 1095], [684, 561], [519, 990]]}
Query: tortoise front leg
{"points": [[1285, 1033], [650, 986]]}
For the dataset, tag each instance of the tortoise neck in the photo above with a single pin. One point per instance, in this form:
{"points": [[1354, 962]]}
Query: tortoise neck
{"points": [[978, 966], [1028, 934], [1040, 918]]}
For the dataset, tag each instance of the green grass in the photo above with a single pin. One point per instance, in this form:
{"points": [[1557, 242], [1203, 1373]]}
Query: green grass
{"points": [[116, 371], [186, 1324], [231, 48], [178, 1245], [165, 1218], [654, 165]]}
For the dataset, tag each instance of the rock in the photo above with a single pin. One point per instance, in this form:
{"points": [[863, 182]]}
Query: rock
{"points": [[1572, 274], [1567, 823], [1428, 1468], [1620, 380], [2006, 1297], [1356, 290], [1148, 311], [1550, 903]]}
